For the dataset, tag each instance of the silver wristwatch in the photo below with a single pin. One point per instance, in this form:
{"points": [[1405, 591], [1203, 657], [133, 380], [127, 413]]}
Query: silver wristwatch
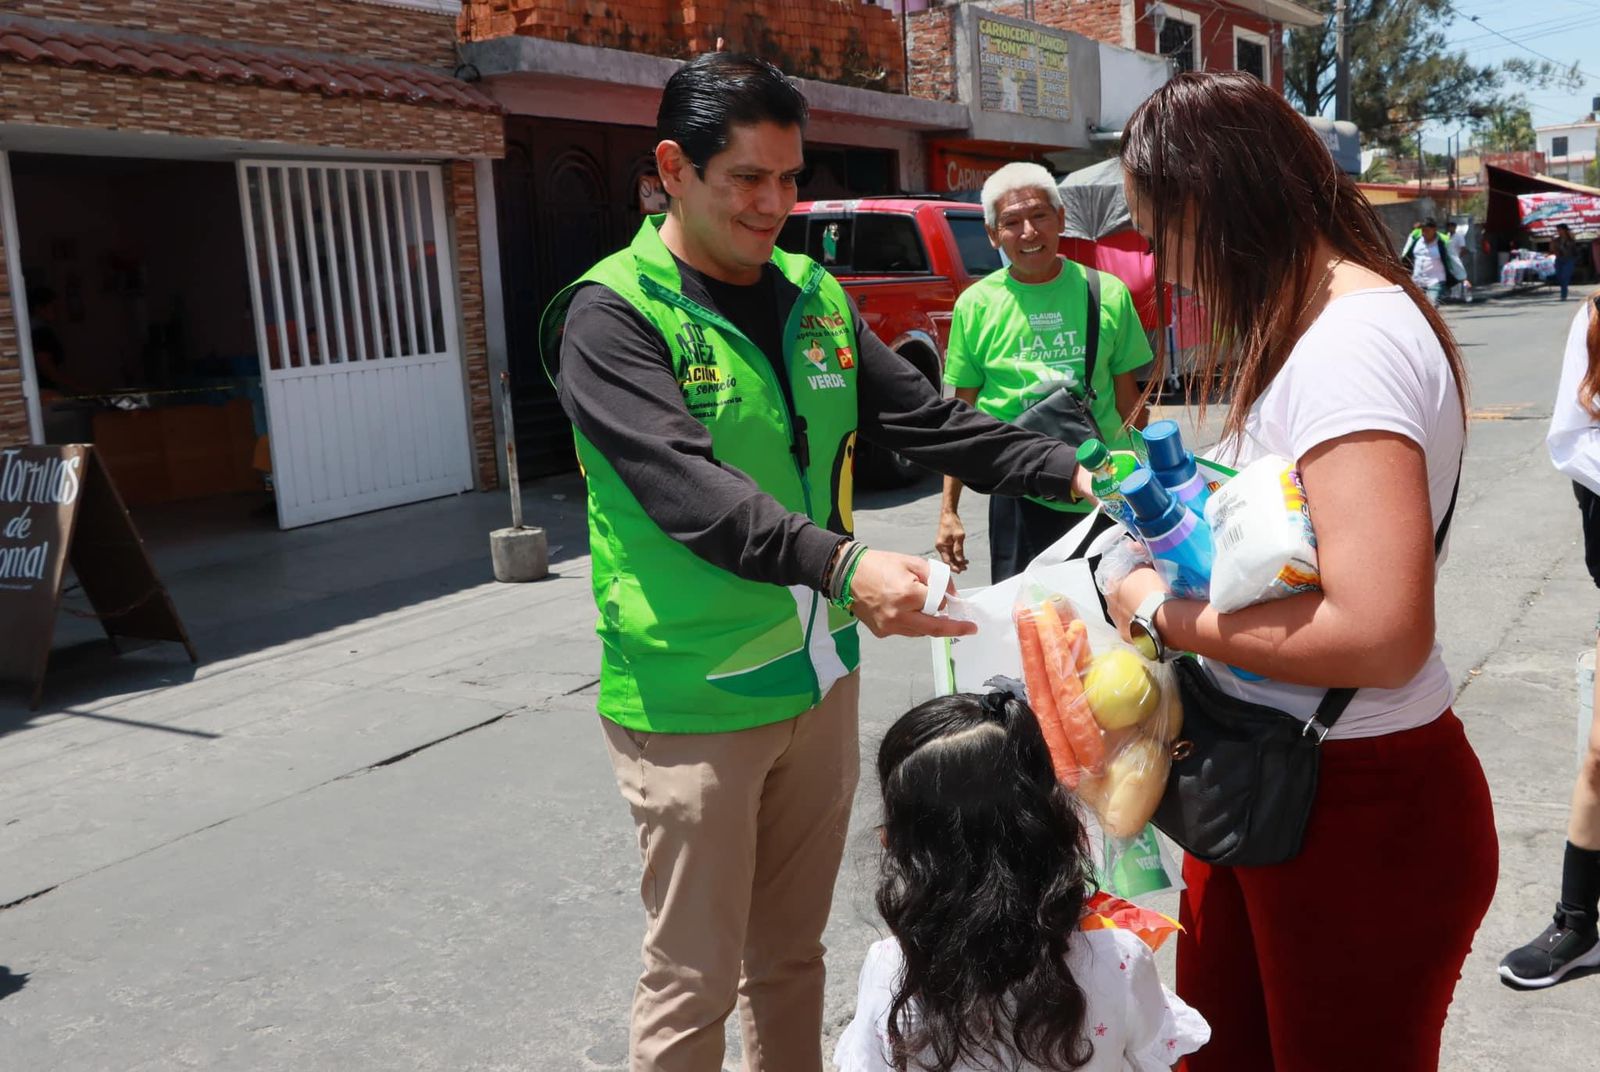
{"points": [[1143, 627]]}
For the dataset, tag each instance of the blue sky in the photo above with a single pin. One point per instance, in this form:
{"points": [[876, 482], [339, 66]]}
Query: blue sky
{"points": [[1564, 30]]}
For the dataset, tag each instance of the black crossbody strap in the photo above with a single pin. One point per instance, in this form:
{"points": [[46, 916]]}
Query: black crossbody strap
{"points": [[1337, 700], [1091, 332]]}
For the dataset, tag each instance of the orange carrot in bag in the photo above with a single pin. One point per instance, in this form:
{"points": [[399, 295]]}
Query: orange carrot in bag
{"points": [[1078, 644], [1076, 719], [1041, 697]]}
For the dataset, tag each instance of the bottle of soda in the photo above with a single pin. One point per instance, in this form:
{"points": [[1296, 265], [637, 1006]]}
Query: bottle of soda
{"points": [[1107, 470]]}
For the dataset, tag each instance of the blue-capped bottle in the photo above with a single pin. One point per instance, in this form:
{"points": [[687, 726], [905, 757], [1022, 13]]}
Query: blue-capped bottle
{"points": [[1178, 538], [1174, 466]]}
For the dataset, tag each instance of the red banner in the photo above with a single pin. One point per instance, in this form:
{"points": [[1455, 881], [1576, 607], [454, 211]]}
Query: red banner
{"points": [[1542, 213]]}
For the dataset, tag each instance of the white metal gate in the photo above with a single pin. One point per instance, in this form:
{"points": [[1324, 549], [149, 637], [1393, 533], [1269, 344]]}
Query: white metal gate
{"points": [[353, 287]]}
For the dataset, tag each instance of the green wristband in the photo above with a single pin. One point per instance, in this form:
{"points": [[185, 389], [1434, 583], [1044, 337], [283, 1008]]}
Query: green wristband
{"points": [[847, 600]]}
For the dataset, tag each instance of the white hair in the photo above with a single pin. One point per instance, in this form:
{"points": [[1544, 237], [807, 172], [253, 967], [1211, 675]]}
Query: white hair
{"points": [[1016, 178]]}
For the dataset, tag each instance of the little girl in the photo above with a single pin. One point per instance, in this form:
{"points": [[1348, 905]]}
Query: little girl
{"points": [[988, 890]]}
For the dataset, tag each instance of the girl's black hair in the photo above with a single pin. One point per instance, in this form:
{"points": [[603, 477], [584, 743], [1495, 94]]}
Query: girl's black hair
{"points": [[984, 878], [708, 95]]}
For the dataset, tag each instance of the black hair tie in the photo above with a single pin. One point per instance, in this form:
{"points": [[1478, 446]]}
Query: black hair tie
{"points": [[1002, 690]]}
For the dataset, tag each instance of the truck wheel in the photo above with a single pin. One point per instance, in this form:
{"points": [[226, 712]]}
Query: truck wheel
{"points": [[880, 468]]}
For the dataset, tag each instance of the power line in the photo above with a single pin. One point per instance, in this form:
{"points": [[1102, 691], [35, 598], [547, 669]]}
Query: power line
{"points": [[1478, 20]]}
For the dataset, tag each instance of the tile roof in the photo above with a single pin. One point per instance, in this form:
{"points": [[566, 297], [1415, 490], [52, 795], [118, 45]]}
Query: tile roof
{"points": [[27, 40]]}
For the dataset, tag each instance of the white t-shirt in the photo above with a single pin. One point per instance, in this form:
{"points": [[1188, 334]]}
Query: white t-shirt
{"points": [[1574, 437], [1427, 266], [1135, 1023], [1370, 362]]}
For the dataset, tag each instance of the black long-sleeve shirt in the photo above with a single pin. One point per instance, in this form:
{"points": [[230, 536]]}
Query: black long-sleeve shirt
{"points": [[618, 386]]}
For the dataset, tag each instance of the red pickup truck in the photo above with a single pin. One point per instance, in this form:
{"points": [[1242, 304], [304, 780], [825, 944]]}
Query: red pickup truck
{"points": [[904, 261]]}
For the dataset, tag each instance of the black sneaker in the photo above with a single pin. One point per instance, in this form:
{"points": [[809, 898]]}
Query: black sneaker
{"points": [[1569, 943]]}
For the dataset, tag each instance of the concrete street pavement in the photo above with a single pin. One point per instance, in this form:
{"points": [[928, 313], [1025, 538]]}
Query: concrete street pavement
{"points": [[376, 829]]}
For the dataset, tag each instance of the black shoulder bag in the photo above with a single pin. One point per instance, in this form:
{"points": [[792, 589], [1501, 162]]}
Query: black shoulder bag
{"points": [[1244, 776], [1062, 414]]}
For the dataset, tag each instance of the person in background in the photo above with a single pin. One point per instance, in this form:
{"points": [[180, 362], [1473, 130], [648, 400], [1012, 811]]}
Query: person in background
{"points": [[1433, 262], [1565, 247], [1339, 363], [49, 356], [997, 958], [717, 387], [1571, 940], [1022, 332]]}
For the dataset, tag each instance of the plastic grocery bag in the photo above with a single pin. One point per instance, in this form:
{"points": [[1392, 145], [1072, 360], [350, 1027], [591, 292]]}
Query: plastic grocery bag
{"points": [[1133, 867], [1261, 531], [963, 664], [1108, 715]]}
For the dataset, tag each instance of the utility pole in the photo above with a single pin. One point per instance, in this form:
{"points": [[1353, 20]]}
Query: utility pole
{"points": [[1341, 77]]}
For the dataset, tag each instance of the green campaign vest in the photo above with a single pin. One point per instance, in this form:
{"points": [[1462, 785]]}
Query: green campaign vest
{"points": [[688, 647]]}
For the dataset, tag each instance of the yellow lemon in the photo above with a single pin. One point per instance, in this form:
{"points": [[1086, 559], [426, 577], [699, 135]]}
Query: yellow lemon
{"points": [[1119, 689]]}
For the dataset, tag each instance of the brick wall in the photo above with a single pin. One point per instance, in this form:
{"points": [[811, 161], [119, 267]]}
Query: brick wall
{"points": [[931, 43], [68, 97], [463, 195], [843, 41], [349, 26], [13, 409], [1099, 19]]}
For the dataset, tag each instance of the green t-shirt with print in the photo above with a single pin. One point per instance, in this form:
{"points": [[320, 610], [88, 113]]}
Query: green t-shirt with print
{"points": [[1015, 342]]}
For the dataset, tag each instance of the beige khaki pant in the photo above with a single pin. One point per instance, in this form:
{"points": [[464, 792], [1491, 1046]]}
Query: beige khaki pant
{"points": [[741, 836]]}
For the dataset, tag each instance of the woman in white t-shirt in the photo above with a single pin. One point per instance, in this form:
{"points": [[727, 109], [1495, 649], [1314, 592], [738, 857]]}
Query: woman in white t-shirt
{"points": [[1004, 958], [1346, 956], [1571, 941]]}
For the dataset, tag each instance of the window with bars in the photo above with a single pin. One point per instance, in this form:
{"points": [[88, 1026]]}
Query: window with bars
{"points": [[1177, 42], [1250, 56]]}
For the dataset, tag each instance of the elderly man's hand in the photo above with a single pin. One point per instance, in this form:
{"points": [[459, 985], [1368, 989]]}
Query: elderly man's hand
{"points": [[890, 591]]}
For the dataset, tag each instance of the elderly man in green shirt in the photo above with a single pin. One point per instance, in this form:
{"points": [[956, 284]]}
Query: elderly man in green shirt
{"points": [[1024, 332]]}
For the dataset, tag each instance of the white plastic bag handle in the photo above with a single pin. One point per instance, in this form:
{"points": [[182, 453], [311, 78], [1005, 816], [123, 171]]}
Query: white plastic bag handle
{"points": [[938, 585]]}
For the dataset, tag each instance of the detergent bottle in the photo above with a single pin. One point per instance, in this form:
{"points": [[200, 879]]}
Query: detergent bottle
{"points": [[1174, 466], [1178, 538]]}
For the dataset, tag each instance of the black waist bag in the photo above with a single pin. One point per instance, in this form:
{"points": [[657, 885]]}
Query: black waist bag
{"points": [[1244, 776]]}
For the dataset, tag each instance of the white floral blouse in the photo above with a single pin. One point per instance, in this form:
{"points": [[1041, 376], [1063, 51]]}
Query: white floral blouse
{"points": [[1135, 1023]]}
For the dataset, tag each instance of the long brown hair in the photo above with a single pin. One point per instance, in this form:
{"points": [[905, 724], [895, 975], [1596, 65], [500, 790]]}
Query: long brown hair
{"points": [[1262, 188], [1589, 389]]}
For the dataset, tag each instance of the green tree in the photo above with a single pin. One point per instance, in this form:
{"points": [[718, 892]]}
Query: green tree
{"points": [[1506, 128], [1380, 170], [1403, 72]]}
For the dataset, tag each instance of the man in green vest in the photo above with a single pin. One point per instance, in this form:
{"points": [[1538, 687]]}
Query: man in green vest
{"points": [[717, 386]]}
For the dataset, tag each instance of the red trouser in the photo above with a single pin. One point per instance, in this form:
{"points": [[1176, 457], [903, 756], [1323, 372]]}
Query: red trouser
{"points": [[1345, 958]]}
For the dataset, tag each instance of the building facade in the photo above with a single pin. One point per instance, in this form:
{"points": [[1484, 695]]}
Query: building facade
{"points": [[580, 85], [1569, 148], [245, 239], [1197, 35]]}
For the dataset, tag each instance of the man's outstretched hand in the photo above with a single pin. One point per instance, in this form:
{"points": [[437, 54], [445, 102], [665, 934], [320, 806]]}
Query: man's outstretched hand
{"points": [[890, 591]]}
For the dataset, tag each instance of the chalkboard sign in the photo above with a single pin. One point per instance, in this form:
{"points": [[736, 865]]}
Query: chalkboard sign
{"points": [[58, 506]]}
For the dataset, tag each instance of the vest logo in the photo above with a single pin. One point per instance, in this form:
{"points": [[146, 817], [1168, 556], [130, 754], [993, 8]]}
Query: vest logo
{"points": [[846, 356], [817, 356], [822, 322], [693, 349]]}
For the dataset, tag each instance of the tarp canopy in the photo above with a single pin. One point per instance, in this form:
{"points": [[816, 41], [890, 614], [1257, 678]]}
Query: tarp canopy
{"points": [[1506, 189], [1095, 203]]}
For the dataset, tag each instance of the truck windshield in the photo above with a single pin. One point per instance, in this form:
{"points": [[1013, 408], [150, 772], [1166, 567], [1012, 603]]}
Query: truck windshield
{"points": [[978, 257]]}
